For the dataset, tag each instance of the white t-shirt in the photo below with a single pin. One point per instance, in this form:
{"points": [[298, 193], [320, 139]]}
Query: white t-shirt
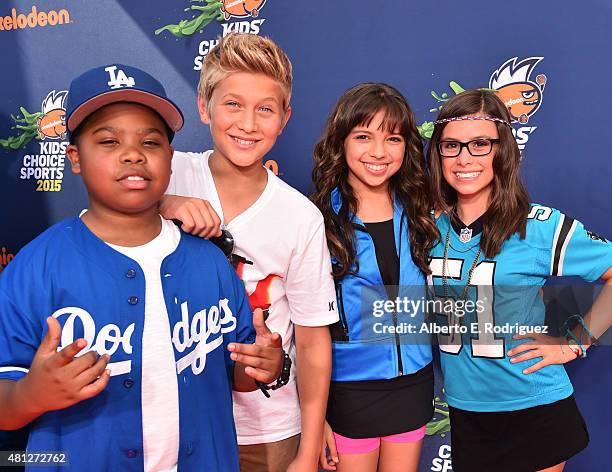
{"points": [[160, 405], [283, 235]]}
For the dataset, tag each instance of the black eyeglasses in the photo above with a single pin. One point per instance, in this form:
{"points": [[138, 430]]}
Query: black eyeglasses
{"points": [[225, 242], [476, 147]]}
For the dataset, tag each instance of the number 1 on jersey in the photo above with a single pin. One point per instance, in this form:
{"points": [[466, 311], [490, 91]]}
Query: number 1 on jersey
{"points": [[483, 341]]}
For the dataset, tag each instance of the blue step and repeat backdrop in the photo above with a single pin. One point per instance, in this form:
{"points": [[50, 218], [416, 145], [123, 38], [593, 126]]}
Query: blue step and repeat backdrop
{"points": [[550, 59]]}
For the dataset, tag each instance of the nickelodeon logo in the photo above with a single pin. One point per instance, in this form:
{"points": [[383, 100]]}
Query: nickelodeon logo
{"points": [[33, 19], [6, 256]]}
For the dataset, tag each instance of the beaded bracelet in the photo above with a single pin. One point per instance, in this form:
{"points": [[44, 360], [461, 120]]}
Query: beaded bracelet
{"points": [[283, 378], [570, 333]]}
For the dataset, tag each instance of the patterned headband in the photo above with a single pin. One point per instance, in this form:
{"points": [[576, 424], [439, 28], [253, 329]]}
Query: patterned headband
{"points": [[471, 118]]}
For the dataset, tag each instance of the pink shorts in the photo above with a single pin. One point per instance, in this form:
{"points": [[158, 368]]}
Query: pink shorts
{"points": [[346, 445]]}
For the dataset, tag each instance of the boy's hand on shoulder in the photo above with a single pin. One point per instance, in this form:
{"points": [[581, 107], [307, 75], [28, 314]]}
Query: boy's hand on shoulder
{"points": [[197, 216], [58, 379], [263, 360]]}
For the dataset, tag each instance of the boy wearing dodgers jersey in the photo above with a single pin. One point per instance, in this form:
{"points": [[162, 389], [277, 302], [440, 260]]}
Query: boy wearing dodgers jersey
{"points": [[278, 237], [115, 327]]}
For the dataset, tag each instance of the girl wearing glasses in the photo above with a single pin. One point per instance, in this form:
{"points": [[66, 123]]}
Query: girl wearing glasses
{"points": [[372, 189], [511, 402]]}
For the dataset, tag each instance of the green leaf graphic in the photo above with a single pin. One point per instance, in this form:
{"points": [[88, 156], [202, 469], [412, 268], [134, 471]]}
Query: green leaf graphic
{"points": [[456, 87], [27, 123], [427, 127], [205, 14], [440, 425]]}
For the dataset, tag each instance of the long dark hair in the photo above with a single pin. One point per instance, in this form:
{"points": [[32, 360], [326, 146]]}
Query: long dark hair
{"points": [[357, 107], [509, 204]]}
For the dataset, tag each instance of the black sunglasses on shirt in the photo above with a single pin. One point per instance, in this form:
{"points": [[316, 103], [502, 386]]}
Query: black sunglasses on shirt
{"points": [[225, 242]]}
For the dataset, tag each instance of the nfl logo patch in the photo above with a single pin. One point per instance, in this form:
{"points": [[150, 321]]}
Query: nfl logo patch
{"points": [[465, 235]]}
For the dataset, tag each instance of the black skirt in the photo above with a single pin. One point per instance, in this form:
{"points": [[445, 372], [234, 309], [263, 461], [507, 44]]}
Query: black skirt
{"points": [[374, 408], [517, 441]]}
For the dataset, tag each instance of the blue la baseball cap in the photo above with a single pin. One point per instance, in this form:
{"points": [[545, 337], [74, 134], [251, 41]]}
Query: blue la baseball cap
{"points": [[118, 83]]}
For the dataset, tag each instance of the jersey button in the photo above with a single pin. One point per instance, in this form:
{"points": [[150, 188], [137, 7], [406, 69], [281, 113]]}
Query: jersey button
{"points": [[128, 383], [190, 447], [130, 274], [131, 453], [133, 300]]}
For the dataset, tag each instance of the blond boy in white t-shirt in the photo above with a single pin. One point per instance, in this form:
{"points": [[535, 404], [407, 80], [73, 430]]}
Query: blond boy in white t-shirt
{"points": [[280, 250]]}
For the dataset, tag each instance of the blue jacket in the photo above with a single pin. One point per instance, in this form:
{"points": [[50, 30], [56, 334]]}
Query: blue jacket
{"points": [[364, 346], [98, 293]]}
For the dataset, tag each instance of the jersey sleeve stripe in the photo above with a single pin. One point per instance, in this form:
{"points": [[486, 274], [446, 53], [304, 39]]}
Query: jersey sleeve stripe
{"points": [[565, 230], [13, 369], [554, 243]]}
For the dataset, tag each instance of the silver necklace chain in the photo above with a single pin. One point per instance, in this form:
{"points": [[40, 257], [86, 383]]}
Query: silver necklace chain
{"points": [[445, 264]]}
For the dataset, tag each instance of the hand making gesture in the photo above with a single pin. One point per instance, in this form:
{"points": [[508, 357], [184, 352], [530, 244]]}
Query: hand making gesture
{"points": [[59, 379], [56, 379], [261, 361]]}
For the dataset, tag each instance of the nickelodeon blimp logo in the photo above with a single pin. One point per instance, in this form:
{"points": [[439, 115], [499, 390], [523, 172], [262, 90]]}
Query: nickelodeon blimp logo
{"points": [[52, 124], [514, 86], [241, 8]]}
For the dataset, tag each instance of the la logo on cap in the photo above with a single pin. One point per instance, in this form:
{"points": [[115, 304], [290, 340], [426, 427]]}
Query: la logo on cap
{"points": [[118, 79]]}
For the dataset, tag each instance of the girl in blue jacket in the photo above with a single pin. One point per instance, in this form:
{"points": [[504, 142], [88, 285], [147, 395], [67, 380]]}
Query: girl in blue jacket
{"points": [[372, 189]]}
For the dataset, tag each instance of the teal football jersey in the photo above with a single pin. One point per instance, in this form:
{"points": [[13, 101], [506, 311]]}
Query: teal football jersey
{"points": [[504, 296]]}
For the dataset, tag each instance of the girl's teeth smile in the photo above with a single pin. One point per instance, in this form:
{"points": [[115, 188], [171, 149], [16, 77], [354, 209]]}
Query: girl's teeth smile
{"points": [[134, 177], [375, 167], [467, 175]]}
